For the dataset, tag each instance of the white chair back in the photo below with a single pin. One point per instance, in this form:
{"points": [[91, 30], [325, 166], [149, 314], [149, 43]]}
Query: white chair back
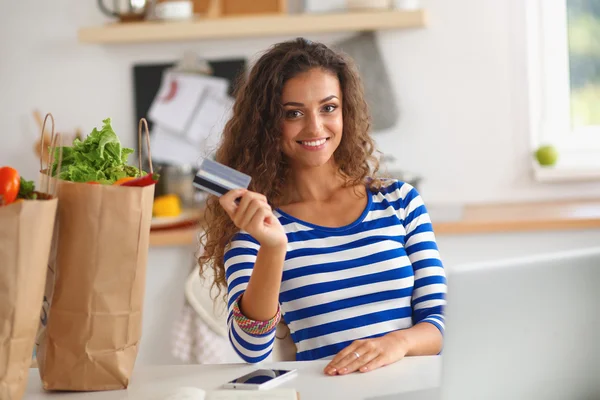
{"points": [[212, 310]]}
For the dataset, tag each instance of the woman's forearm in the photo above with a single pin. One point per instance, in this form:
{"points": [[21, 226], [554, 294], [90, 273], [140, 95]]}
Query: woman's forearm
{"points": [[420, 340], [261, 298]]}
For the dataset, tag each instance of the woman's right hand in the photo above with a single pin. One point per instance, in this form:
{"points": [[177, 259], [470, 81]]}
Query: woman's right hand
{"points": [[254, 215]]}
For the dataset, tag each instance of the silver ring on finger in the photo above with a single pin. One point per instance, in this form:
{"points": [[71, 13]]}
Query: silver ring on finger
{"points": [[356, 354]]}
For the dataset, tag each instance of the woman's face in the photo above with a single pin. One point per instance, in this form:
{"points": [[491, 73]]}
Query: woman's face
{"points": [[312, 125]]}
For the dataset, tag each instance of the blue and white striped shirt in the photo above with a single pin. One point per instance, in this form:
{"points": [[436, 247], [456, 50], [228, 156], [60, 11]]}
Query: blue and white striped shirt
{"points": [[377, 275]]}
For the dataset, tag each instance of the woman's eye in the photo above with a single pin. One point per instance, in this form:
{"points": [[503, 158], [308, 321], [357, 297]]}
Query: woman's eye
{"points": [[329, 108], [293, 114]]}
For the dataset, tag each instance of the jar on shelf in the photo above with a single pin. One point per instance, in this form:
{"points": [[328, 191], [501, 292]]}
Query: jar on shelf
{"points": [[407, 5], [368, 4]]}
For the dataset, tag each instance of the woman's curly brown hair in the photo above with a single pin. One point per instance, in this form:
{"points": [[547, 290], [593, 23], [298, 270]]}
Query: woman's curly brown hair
{"points": [[251, 138]]}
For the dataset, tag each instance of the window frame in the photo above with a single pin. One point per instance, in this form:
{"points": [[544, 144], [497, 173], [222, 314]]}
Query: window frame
{"points": [[549, 96]]}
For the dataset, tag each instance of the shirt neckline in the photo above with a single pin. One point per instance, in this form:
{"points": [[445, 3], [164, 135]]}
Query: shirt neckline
{"points": [[359, 220]]}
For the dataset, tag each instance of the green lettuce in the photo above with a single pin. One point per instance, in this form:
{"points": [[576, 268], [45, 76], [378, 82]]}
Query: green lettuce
{"points": [[99, 158], [27, 190]]}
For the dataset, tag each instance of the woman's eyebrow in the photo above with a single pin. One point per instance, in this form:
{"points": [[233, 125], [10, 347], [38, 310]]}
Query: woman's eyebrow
{"points": [[326, 99]]}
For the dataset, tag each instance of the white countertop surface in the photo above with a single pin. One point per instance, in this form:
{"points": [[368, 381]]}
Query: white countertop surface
{"points": [[155, 382]]}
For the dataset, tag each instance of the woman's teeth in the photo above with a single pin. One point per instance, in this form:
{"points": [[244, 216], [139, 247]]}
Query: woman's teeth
{"points": [[314, 143]]}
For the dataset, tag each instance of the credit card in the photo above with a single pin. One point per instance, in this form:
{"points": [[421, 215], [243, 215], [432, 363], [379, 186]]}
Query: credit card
{"points": [[218, 179]]}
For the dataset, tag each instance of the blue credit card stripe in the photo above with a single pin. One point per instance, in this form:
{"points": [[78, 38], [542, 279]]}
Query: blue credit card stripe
{"points": [[218, 180], [209, 186]]}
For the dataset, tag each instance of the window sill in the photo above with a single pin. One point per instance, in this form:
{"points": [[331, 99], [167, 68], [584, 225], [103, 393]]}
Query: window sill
{"points": [[566, 173]]}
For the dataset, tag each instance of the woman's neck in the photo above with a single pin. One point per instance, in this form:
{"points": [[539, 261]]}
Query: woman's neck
{"points": [[314, 184]]}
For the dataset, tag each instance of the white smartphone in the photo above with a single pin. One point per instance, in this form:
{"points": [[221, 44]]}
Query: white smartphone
{"points": [[261, 379]]}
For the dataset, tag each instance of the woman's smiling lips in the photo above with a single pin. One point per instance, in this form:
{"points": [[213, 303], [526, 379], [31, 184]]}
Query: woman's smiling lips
{"points": [[313, 144]]}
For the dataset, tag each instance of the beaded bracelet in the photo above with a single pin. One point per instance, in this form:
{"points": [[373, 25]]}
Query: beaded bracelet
{"points": [[252, 327]]}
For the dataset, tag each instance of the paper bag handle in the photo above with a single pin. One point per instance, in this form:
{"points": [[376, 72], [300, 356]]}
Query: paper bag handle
{"points": [[144, 123], [49, 115], [56, 141]]}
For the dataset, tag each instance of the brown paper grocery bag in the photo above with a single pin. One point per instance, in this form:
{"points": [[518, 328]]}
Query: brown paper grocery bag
{"points": [[25, 239], [26, 228], [94, 321]]}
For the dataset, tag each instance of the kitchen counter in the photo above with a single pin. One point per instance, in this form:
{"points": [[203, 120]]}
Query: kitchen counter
{"points": [[175, 237], [520, 217], [469, 219]]}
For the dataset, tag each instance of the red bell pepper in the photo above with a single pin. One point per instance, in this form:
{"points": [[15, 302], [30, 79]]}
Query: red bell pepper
{"points": [[146, 180]]}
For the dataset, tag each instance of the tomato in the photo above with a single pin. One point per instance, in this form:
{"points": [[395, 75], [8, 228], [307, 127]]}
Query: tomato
{"points": [[9, 185], [123, 180]]}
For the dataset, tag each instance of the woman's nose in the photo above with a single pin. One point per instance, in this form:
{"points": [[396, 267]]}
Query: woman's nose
{"points": [[315, 125]]}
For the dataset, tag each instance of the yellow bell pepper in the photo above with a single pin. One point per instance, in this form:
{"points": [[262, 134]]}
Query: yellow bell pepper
{"points": [[168, 205]]}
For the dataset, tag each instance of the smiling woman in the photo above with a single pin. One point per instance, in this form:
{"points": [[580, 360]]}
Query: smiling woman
{"points": [[347, 259]]}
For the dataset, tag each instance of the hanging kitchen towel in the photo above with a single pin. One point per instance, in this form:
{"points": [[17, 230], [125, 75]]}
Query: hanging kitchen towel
{"points": [[194, 342], [379, 92], [200, 334]]}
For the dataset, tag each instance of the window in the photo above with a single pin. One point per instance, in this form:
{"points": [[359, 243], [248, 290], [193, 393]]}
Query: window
{"points": [[583, 27], [564, 61]]}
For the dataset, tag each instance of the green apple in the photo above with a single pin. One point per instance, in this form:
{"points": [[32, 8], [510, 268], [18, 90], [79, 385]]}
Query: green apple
{"points": [[546, 155]]}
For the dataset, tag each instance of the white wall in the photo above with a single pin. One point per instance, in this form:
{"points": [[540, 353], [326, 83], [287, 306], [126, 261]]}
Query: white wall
{"points": [[460, 83], [168, 269]]}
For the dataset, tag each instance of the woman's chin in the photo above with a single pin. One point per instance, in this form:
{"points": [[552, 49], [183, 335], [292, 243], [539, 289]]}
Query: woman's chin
{"points": [[313, 162]]}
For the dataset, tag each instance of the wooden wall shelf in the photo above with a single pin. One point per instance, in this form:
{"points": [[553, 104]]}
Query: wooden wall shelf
{"points": [[236, 27]]}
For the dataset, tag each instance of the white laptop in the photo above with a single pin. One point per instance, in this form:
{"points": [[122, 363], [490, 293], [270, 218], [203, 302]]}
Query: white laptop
{"points": [[522, 329]]}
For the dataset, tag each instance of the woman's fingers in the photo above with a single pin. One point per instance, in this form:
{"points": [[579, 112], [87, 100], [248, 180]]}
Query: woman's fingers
{"points": [[377, 362], [359, 362], [242, 208], [242, 219], [256, 223], [354, 356], [362, 355], [332, 367], [236, 203], [228, 203], [253, 214], [344, 352]]}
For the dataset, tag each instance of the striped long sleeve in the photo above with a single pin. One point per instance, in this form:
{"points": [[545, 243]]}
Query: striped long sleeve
{"points": [[429, 291], [239, 262]]}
